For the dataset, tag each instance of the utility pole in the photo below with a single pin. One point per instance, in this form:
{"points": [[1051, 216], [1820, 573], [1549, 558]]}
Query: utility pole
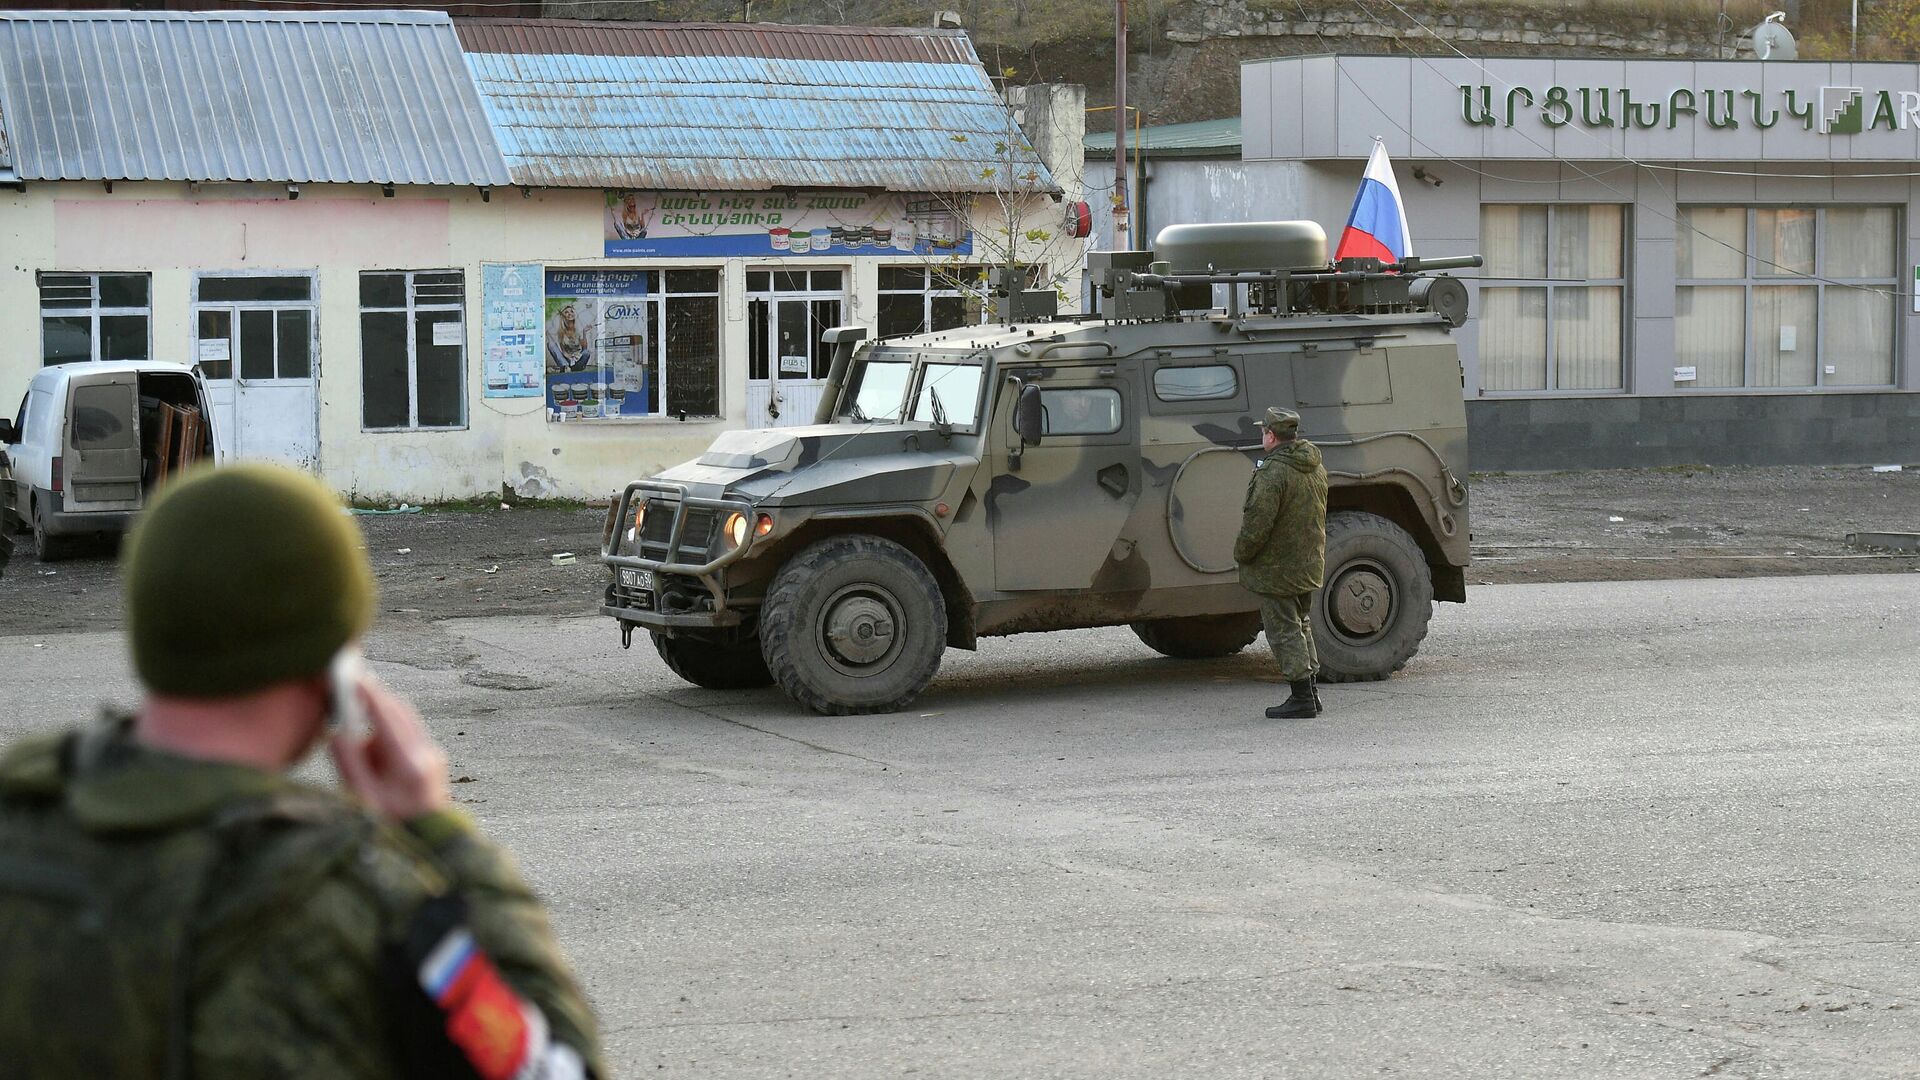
{"points": [[1853, 49], [1122, 227]]}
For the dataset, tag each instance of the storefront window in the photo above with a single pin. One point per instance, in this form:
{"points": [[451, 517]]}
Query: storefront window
{"points": [[632, 343], [919, 299], [94, 317], [1553, 297], [413, 369], [1785, 297]]}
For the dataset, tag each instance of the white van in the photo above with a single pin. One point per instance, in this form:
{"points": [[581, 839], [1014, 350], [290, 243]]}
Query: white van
{"points": [[92, 439]]}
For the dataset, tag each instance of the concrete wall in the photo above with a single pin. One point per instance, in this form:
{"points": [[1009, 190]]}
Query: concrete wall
{"points": [[1553, 434], [174, 232]]}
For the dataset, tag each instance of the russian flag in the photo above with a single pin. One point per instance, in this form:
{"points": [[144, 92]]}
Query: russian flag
{"points": [[1377, 227]]}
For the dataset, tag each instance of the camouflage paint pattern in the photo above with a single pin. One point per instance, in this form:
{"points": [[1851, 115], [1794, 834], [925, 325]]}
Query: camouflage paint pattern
{"points": [[1096, 530]]}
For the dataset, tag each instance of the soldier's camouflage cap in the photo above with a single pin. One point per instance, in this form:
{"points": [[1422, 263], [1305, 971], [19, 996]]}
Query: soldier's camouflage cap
{"points": [[1284, 423]]}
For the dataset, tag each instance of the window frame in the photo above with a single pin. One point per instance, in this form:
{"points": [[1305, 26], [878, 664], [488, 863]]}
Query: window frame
{"points": [[936, 285], [1551, 285], [93, 310], [411, 311], [1819, 280]]}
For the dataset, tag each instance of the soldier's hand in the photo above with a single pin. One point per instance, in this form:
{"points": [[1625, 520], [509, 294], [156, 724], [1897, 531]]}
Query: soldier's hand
{"points": [[397, 769]]}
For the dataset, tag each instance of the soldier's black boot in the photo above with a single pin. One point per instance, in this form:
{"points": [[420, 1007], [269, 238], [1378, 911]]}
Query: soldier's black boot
{"points": [[1302, 704]]}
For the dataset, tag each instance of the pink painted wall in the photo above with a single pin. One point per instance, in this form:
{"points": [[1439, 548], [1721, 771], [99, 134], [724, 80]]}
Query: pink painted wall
{"points": [[231, 234]]}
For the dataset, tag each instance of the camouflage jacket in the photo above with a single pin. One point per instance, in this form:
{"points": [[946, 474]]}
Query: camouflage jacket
{"points": [[1282, 546], [287, 904]]}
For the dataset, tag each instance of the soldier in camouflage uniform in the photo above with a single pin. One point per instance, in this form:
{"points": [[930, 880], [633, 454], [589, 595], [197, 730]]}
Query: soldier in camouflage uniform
{"points": [[176, 905], [1281, 552]]}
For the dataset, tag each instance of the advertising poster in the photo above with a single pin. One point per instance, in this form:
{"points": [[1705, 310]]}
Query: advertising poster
{"points": [[832, 224], [510, 299], [595, 343]]}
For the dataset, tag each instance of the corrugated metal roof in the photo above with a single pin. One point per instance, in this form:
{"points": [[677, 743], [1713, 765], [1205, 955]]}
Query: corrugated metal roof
{"points": [[745, 107], [336, 97], [1199, 138]]}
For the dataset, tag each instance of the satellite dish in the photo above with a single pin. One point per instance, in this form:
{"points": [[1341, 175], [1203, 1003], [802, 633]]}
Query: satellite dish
{"points": [[1773, 41]]}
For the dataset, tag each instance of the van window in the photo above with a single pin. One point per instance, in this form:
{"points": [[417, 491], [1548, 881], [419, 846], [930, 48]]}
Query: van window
{"points": [[103, 417], [20, 420]]}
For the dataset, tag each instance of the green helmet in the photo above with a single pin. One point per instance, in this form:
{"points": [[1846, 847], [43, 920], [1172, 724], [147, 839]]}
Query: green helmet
{"points": [[1284, 423], [241, 577]]}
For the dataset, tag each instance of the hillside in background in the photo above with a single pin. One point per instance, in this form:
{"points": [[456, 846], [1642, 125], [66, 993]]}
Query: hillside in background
{"points": [[1185, 55]]}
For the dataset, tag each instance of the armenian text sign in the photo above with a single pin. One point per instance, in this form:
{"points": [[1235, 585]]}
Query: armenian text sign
{"points": [[767, 224]]}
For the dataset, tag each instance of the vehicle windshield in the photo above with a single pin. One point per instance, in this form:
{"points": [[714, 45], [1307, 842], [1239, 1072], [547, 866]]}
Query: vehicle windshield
{"points": [[950, 392], [883, 390]]}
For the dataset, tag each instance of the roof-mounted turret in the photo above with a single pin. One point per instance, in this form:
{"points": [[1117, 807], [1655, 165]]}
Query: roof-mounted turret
{"points": [[1284, 269]]}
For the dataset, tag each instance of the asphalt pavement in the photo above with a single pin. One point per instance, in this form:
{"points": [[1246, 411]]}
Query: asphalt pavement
{"points": [[1630, 829]]}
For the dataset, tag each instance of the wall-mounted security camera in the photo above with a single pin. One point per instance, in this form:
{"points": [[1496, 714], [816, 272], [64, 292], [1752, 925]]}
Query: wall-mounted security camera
{"points": [[1420, 173]]}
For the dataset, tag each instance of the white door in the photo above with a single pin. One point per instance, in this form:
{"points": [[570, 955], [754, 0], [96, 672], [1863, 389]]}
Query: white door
{"points": [[258, 361], [787, 362]]}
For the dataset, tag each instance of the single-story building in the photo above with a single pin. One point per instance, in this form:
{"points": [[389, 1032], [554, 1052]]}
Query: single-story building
{"points": [[428, 259]]}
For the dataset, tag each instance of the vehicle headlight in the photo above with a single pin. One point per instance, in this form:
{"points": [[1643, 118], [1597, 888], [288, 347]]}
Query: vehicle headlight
{"points": [[639, 520], [737, 529]]}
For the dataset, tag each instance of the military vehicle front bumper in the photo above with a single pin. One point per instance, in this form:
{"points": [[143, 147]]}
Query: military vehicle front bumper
{"points": [[676, 543]]}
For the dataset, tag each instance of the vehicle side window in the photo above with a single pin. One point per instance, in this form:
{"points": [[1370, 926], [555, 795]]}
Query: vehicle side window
{"points": [[1214, 382], [1093, 410], [20, 420]]}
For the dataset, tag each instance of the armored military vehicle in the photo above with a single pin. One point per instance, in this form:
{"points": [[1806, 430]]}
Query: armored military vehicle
{"points": [[1049, 473]]}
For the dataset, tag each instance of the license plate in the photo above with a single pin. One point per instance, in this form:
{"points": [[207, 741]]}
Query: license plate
{"points": [[636, 579]]}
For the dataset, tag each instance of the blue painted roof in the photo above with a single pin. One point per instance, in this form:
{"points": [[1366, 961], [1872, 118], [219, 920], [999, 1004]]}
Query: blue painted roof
{"points": [[340, 97], [745, 107]]}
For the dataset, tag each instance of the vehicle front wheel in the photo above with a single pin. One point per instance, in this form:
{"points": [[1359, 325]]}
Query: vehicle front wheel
{"points": [[1370, 617], [1199, 637], [713, 665], [853, 624]]}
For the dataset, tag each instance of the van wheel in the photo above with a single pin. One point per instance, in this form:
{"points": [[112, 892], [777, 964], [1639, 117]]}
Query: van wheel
{"points": [[1371, 615], [714, 665], [853, 624], [47, 547], [1199, 637]]}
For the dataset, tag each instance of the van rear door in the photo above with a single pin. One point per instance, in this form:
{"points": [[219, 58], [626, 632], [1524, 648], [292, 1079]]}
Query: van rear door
{"points": [[102, 444]]}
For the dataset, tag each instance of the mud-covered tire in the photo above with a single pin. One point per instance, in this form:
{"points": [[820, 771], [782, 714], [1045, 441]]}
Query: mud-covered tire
{"points": [[853, 624], [1199, 637], [1371, 563], [713, 665], [46, 546]]}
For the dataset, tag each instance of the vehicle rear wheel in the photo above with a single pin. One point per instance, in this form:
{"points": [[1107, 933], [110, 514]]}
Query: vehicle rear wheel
{"points": [[714, 665], [1370, 617], [48, 547], [1199, 637], [853, 624]]}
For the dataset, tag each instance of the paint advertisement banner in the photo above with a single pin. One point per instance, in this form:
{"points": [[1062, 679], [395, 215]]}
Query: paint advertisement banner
{"points": [[597, 359], [830, 224], [510, 301]]}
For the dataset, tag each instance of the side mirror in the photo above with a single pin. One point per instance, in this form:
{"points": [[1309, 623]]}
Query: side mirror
{"points": [[1028, 418], [7, 434]]}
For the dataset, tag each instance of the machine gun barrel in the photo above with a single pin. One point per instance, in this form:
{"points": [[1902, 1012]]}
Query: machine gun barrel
{"points": [[1414, 264]]}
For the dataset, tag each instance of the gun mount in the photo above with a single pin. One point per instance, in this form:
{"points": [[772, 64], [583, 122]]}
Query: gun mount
{"points": [[1270, 268]]}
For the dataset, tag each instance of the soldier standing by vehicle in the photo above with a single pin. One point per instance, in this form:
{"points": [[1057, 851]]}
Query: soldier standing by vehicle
{"points": [[176, 905], [1281, 552]]}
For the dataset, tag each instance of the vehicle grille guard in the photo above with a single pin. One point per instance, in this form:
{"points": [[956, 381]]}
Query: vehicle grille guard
{"points": [[708, 572]]}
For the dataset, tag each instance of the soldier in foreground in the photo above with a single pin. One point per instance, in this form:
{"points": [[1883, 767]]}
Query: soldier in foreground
{"points": [[174, 904], [1281, 552]]}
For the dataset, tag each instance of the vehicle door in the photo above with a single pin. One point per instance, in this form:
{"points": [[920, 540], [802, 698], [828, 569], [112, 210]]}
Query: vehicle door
{"points": [[101, 447], [16, 478], [1056, 508]]}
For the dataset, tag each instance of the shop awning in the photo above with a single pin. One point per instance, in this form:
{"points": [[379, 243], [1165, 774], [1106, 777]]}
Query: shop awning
{"points": [[296, 97], [745, 106]]}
